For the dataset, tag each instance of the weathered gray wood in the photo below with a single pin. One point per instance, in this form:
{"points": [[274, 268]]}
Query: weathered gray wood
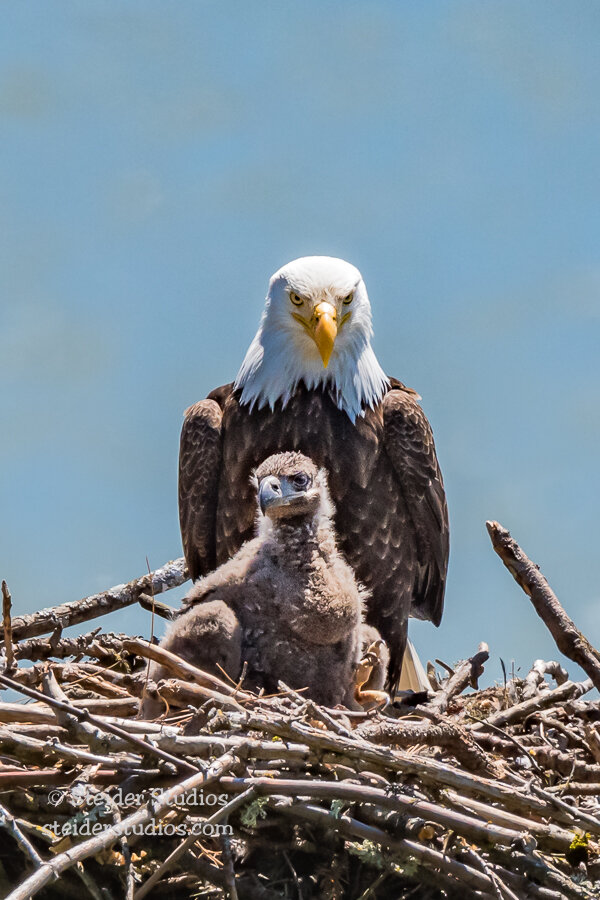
{"points": [[171, 575]]}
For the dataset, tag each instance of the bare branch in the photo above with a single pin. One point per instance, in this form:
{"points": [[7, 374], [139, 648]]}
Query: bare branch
{"points": [[168, 576], [7, 627], [465, 673], [567, 636]]}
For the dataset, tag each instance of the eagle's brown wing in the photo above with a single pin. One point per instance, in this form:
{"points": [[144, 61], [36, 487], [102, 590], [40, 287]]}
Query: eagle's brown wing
{"points": [[199, 471], [409, 445]]}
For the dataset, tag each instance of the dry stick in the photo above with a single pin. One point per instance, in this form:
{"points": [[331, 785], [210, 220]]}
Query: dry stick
{"points": [[482, 828], [7, 627], [592, 739], [191, 839], [428, 860], [106, 647], [575, 814], [15, 778], [285, 726], [501, 890], [9, 822], [429, 771], [84, 716], [131, 684], [577, 787], [204, 745], [72, 674], [229, 870], [54, 867], [27, 749], [179, 666], [370, 891], [545, 757], [75, 755], [546, 720], [171, 575], [536, 867], [592, 822], [534, 680], [34, 712], [179, 693], [564, 763], [125, 848], [131, 726], [79, 731], [520, 711], [549, 876], [314, 710], [567, 636], [586, 709], [550, 834], [505, 738], [44, 732], [444, 734], [152, 605], [151, 599], [465, 673], [445, 666], [86, 675]]}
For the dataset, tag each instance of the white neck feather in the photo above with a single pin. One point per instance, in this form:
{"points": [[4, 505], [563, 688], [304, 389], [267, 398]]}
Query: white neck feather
{"points": [[278, 359]]}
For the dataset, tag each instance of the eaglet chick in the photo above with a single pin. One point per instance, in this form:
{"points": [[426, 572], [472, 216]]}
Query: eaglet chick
{"points": [[287, 603]]}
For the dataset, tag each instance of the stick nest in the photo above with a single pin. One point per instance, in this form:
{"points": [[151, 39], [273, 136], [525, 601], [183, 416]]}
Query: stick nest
{"points": [[455, 793]]}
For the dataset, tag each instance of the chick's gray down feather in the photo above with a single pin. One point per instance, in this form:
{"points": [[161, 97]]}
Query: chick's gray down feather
{"points": [[287, 603]]}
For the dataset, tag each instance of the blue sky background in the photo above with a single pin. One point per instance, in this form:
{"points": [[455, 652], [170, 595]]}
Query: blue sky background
{"points": [[160, 160]]}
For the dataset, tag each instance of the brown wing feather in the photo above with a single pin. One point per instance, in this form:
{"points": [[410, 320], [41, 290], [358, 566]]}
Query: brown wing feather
{"points": [[199, 470], [409, 445]]}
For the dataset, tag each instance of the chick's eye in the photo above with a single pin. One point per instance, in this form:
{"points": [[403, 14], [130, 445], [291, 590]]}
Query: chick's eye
{"points": [[348, 300], [296, 300], [300, 480]]}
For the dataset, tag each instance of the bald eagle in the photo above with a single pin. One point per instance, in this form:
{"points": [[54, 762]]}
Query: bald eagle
{"points": [[287, 604], [311, 382]]}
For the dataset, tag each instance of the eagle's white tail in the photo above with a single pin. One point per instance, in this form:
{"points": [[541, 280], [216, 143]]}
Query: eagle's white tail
{"points": [[413, 677]]}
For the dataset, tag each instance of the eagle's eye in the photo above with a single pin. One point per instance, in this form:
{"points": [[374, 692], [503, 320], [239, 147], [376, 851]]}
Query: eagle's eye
{"points": [[300, 480], [348, 300], [296, 300]]}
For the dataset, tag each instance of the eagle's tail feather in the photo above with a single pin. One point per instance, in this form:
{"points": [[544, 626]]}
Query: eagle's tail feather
{"points": [[413, 676]]}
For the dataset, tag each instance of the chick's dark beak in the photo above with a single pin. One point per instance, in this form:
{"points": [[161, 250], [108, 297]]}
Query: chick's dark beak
{"points": [[281, 496], [269, 492]]}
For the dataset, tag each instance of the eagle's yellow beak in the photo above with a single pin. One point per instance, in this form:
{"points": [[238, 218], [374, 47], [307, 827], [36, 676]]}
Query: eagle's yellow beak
{"points": [[324, 329]]}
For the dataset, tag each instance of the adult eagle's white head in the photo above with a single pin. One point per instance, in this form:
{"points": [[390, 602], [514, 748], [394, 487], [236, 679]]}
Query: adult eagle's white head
{"points": [[316, 328]]}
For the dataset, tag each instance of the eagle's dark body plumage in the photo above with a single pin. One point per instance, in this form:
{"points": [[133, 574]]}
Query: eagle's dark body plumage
{"points": [[390, 518]]}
